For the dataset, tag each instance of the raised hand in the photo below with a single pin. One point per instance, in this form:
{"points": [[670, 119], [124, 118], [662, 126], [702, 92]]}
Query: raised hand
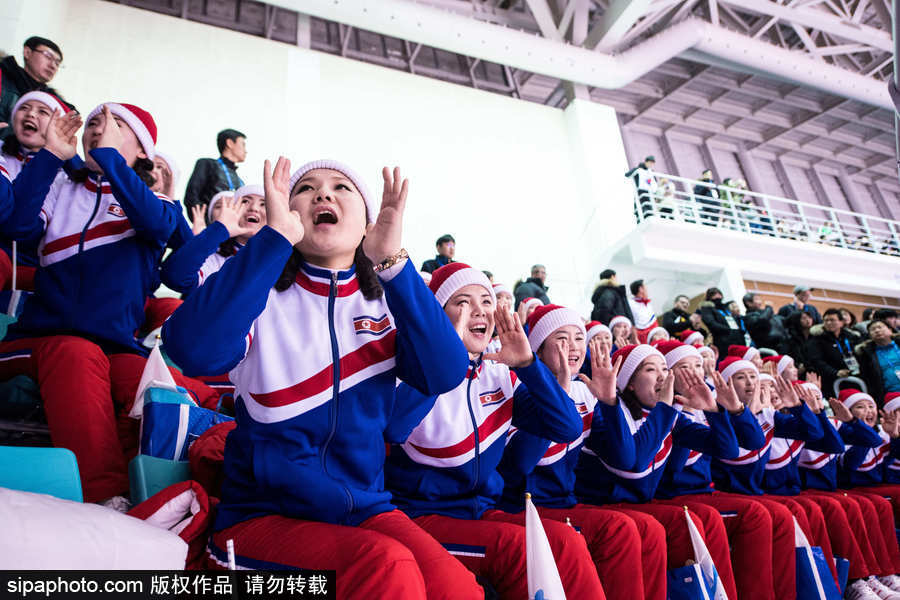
{"points": [[602, 382], [198, 220], [667, 393], [697, 394], [230, 216], [771, 369], [514, 349], [890, 422], [621, 341], [841, 412], [59, 136], [558, 362], [809, 397], [112, 135], [814, 378], [726, 395], [760, 399], [279, 215], [384, 236], [787, 392], [633, 337]]}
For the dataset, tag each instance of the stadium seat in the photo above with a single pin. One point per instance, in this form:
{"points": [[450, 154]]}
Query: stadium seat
{"points": [[52, 471], [148, 475]]}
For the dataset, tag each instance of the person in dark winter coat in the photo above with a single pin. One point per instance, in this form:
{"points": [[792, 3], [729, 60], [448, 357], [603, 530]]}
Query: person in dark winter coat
{"points": [[799, 325], [725, 329], [802, 294], [707, 197], [678, 319], [765, 327], [533, 287], [879, 360], [42, 60], [610, 299], [831, 350], [213, 175], [446, 250]]}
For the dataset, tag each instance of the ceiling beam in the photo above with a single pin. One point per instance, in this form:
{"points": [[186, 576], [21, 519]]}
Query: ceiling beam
{"points": [[817, 19], [615, 23], [668, 94], [544, 17]]}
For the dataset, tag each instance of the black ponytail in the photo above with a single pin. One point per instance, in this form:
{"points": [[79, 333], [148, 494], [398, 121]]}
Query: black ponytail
{"points": [[369, 284], [143, 167]]}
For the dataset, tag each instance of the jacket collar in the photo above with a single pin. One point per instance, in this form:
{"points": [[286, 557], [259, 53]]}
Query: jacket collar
{"points": [[228, 163], [318, 280]]}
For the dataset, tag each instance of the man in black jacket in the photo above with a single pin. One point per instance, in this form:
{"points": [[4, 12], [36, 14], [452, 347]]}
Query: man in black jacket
{"points": [[765, 327], [707, 197], [802, 294], [830, 350], [610, 299], [725, 328], [446, 250], [214, 175], [678, 319], [533, 287], [42, 60]]}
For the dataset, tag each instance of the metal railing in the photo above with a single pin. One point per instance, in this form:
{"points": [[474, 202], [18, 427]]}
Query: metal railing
{"points": [[738, 209]]}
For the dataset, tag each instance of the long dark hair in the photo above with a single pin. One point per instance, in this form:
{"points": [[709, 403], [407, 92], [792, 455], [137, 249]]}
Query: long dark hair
{"points": [[12, 146], [142, 166], [634, 406], [369, 284], [228, 248]]}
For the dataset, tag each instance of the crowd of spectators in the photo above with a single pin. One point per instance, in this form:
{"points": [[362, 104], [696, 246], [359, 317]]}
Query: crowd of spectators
{"points": [[389, 430]]}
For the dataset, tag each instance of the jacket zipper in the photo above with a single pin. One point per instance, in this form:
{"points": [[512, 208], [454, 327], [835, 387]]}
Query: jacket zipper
{"points": [[335, 384], [93, 214], [474, 426]]}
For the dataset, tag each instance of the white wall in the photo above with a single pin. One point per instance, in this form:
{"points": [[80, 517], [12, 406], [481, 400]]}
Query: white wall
{"points": [[515, 182]]}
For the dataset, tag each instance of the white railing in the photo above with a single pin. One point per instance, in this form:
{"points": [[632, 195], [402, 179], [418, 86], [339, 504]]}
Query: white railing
{"points": [[738, 209]]}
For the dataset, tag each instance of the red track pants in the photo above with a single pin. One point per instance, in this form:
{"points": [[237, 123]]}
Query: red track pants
{"points": [[87, 396], [749, 528], [24, 275], [679, 548], [888, 491], [614, 540], [819, 533], [494, 548], [386, 556]]}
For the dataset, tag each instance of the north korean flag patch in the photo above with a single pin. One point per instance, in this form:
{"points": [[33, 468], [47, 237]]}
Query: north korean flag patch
{"points": [[492, 398], [375, 326], [582, 408], [115, 210]]}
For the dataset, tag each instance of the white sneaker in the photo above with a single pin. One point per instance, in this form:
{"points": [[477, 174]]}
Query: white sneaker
{"points": [[891, 581], [883, 591], [858, 590], [117, 503]]}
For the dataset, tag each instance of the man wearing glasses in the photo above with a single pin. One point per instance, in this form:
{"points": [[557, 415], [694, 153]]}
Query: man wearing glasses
{"points": [[42, 60]]}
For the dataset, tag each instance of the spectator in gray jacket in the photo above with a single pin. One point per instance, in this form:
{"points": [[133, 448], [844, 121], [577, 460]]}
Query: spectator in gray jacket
{"points": [[533, 287], [765, 327]]}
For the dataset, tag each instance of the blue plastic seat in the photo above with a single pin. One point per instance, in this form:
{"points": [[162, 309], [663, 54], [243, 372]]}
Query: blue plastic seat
{"points": [[52, 471]]}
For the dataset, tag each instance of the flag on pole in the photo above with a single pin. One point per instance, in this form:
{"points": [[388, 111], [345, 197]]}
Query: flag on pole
{"points": [[543, 577], [705, 562], [156, 374]]}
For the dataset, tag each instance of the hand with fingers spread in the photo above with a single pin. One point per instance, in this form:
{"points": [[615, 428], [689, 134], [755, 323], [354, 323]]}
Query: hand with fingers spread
{"points": [[760, 399], [621, 341], [890, 423], [814, 378], [60, 133], [770, 369], [515, 352], [279, 215], [667, 393], [787, 392], [230, 216], [198, 218], [633, 337], [726, 395], [384, 237], [810, 398], [841, 412], [695, 393], [112, 135], [558, 363], [602, 382]]}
